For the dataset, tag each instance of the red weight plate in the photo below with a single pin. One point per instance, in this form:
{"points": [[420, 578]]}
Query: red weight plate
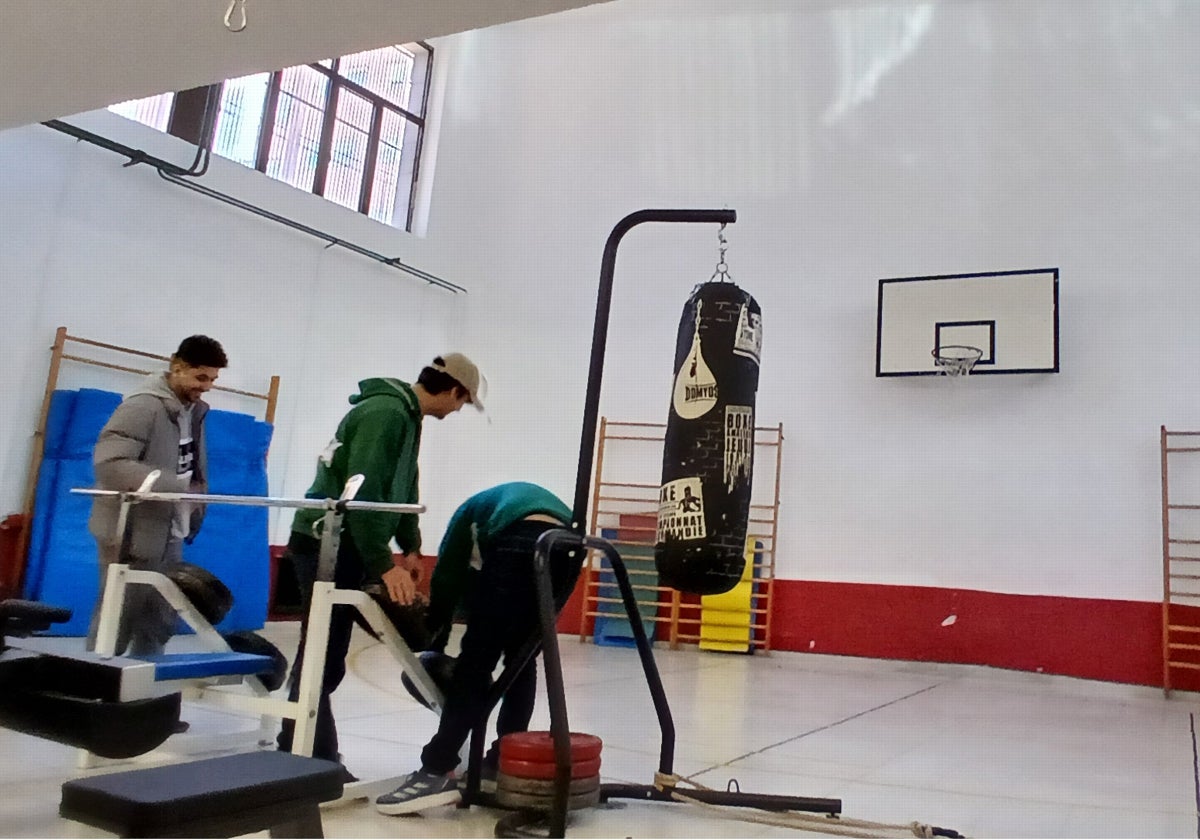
{"points": [[546, 769], [539, 746]]}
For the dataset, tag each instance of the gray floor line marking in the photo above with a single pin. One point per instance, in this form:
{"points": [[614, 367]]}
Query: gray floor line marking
{"points": [[1195, 770], [822, 728]]}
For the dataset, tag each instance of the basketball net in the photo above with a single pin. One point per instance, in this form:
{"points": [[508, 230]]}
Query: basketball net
{"points": [[956, 360]]}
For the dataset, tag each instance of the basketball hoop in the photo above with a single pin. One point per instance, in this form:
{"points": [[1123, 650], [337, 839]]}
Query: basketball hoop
{"points": [[956, 359]]}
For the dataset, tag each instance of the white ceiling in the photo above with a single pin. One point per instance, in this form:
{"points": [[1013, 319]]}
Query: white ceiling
{"points": [[60, 57]]}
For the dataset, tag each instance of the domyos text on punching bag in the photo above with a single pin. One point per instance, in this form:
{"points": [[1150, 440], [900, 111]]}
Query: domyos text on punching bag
{"points": [[708, 454]]}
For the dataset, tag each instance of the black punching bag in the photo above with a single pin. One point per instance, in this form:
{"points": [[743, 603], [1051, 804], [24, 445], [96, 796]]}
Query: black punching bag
{"points": [[708, 454]]}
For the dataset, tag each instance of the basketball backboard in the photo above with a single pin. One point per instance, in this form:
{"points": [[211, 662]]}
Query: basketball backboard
{"points": [[1011, 316]]}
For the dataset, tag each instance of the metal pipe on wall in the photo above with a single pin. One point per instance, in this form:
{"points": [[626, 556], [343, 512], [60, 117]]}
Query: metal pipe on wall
{"points": [[178, 175]]}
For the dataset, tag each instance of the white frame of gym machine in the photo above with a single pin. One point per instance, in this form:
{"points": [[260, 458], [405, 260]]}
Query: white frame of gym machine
{"points": [[208, 689]]}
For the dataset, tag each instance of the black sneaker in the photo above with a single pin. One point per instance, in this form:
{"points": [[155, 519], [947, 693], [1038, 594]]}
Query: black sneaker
{"points": [[419, 791]]}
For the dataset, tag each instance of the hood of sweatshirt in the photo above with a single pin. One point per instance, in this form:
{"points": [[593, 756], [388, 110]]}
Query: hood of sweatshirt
{"points": [[156, 385], [387, 387]]}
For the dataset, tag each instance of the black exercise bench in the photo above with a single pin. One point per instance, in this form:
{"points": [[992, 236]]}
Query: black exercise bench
{"points": [[215, 797]]}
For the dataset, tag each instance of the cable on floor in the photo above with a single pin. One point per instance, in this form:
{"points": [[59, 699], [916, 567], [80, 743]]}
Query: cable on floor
{"points": [[839, 825]]}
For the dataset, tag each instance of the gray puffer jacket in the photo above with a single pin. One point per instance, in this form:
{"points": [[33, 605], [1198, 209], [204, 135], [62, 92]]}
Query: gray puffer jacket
{"points": [[141, 436]]}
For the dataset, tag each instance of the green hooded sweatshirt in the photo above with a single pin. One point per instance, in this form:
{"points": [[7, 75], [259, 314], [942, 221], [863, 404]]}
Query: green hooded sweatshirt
{"points": [[379, 438]]}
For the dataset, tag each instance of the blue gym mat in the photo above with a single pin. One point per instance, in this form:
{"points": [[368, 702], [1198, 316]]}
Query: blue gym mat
{"points": [[62, 566]]}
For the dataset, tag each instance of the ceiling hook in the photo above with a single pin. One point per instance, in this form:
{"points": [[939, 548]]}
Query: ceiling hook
{"points": [[235, 6]]}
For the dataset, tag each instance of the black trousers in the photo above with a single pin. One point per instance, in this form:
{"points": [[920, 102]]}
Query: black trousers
{"points": [[349, 573], [502, 615]]}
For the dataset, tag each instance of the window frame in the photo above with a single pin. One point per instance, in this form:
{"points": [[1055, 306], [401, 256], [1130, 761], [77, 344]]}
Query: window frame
{"points": [[187, 116]]}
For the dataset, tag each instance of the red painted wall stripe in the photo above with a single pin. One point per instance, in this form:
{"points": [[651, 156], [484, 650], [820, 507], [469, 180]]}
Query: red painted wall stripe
{"points": [[1091, 638], [1115, 641], [1119, 641]]}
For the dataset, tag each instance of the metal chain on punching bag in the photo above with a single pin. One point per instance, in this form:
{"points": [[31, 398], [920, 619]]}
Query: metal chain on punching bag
{"points": [[708, 452]]}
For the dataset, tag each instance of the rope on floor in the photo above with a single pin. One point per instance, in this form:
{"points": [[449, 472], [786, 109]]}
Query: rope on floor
{"points": [[840, 826]]}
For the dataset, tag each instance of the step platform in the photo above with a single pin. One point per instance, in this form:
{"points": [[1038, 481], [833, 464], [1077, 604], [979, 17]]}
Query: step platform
{"points": [[217, 797]]}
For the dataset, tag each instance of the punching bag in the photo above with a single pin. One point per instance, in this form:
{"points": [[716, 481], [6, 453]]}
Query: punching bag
{"points": [[708, 453]]}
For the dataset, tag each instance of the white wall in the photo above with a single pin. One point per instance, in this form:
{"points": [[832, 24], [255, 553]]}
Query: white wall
{"points": [[121, 256], [855, 140]]}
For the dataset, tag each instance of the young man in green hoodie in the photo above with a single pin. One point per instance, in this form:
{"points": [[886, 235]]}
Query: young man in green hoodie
{"points": [[160, 426], [485, 568], [379, 438]]}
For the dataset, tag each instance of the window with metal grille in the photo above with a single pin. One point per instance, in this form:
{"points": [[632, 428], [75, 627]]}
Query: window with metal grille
{"points": [[349, 128], [154, 111]]}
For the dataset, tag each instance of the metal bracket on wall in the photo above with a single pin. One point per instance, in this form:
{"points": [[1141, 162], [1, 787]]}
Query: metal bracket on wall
{"points": [[177, 175]]}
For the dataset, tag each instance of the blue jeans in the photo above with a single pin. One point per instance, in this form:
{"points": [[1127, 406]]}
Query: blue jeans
{"points": [[502, 615]]}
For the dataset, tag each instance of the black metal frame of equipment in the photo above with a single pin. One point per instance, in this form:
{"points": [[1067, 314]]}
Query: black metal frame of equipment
{"points": [[566, 539]]}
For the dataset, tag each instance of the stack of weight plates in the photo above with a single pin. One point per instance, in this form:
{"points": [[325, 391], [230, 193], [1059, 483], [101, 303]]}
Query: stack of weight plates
{"points": [[527, 770]]}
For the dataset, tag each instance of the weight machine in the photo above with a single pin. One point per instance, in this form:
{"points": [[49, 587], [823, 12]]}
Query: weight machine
{"points": [[220, 660]]}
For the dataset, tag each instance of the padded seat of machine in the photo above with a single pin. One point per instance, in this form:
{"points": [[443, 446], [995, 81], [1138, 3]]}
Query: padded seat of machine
{"points": [[191, 666], [215, 797]]}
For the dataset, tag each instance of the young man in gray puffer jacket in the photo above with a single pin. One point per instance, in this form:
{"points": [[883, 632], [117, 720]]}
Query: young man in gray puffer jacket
{"points": [[159, 426]]}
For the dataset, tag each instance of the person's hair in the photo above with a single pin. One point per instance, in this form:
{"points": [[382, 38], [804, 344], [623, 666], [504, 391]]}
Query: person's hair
{"points": [[436, 381], [201, 351]]}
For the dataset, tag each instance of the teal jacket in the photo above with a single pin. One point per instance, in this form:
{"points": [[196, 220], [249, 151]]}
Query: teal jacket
{"points": [[473, 527], [379, 438]]}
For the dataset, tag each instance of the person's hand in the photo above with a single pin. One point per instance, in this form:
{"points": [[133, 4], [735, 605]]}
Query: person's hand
{"points": [[412, 562], [401, 587]]}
